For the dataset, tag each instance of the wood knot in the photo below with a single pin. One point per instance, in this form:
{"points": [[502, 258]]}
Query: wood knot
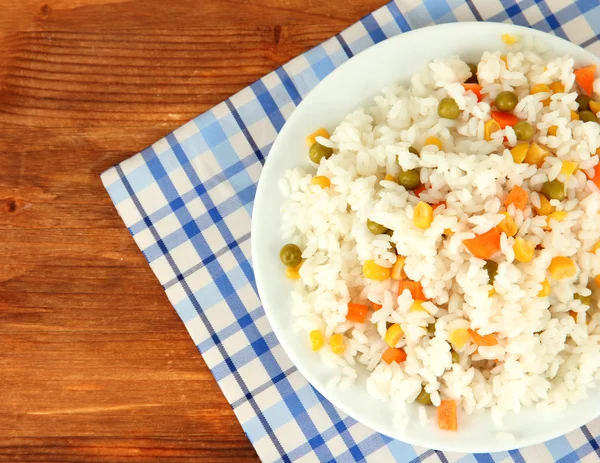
{"points": [[45, 11], [10, 205], [277, 34]]}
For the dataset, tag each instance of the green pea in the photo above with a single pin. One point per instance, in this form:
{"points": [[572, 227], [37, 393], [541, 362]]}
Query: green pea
{"points": [[376, 228], [587, 116], [584, 102], [413, 150], [448, 108], [423, 398], [473, 78], [554, 190], [318, 152], [492, 269], [290, 255], [523, 130], [585, 300], [455, 356], [409, 179], [506, 101]]}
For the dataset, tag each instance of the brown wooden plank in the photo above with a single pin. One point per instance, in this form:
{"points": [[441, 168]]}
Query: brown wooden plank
{"points": [[95, 364]]}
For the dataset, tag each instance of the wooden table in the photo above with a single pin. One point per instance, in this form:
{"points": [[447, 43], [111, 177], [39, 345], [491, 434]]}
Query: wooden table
{"points": [[95, 365]]}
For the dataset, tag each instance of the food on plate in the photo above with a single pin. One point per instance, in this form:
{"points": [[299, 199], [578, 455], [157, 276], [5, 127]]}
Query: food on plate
{"points": [[445, 238]]}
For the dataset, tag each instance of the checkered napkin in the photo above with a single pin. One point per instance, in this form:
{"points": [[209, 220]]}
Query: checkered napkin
{"points": [[187, 200]]}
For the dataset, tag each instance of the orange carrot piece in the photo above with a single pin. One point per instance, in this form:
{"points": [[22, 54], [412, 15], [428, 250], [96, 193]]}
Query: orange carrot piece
{"points": [[435, 206], [486, 341], [585, 78], [484, 246], [596, 177], [504, 119], [517, 196], [475, 88], [376, 307], [415, 288], [446, 415], [393, 354], [357, 313], [420, 189]]}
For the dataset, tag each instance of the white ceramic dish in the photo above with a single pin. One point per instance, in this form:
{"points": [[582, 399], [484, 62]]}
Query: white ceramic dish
{"points": [[353, 84]]}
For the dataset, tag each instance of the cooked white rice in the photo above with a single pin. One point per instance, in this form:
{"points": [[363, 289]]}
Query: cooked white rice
{"points": [[545, 356]]}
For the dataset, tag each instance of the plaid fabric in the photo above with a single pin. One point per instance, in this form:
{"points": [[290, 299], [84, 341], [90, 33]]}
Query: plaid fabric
{"points": [[187, 200]]}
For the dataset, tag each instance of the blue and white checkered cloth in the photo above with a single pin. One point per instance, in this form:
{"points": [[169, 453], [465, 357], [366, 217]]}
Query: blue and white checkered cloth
{"points": [[187, 200]]}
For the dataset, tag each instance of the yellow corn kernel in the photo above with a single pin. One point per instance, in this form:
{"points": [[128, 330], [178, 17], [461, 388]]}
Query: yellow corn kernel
{"points": [[503, 58], [448, 232], [489, 128], [562, 267], [598, 151], [491, 292], [336, 341], [594, 106], [393, 335], [595, 247], [311, 139], [552, 130], [316, 340], [372, 271], [519, 152], [321, 180], [459, 338], [559, 216], [597, 280], [293, 273], [507, 225], [423, 215], [434, 141], [390, 178], [545, 207], [523, 250], [545, 289], [398, 269], [509, 39], [574, 115], [417, 306], [541, 88], [568, 168], [557, 87], [536, 154]]}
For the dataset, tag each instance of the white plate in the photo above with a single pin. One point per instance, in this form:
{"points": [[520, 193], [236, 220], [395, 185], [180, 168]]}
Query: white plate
{"points": [[351, 85]]}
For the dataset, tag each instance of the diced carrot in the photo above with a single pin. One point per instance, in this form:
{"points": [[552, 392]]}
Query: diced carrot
{"points": [[484, 246], [487, 340], [596, 177], [415, 288], [376, 307], [475, 88], [585, 78], [357, 313], [517, 196], [441, 203], [504, 119], [420, 189], [446, 415], [393, 354], [398, 269]]}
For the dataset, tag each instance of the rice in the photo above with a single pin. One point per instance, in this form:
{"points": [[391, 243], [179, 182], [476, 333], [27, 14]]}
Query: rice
{"points": [[547, 354]]}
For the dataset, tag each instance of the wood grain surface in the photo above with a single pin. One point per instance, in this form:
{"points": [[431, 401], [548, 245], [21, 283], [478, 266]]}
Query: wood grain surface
{"points": [[95, 365]]}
